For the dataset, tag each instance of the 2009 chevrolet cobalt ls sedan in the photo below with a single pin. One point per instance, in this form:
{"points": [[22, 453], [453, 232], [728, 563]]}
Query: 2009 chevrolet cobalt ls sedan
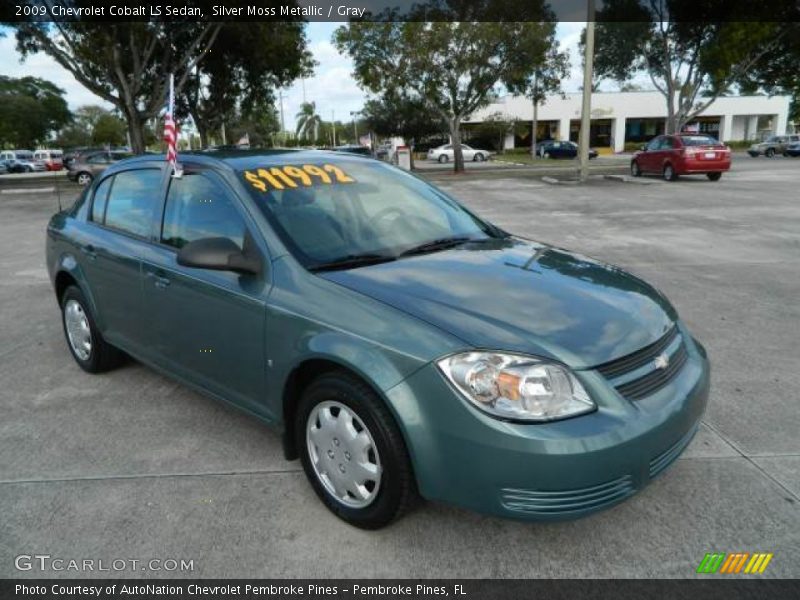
{"points": [[401, 344]]}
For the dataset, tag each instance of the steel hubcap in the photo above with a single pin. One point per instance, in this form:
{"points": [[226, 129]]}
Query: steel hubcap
{"points": [[78, 331], [343, 454]]}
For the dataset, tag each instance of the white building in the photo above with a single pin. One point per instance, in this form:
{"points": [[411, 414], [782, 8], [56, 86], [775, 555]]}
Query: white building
{"points": [[619, 117]]}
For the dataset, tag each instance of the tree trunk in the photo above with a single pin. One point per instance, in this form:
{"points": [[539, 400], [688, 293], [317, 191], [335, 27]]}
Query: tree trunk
{"points": [[458, 155], [534, 128], [136, 131]]}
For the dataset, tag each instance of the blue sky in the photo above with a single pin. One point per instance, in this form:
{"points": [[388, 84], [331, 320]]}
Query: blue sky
{"points": [[332, 87]]}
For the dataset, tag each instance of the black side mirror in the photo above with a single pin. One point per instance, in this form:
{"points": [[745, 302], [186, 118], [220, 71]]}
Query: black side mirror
{"points": [[218, 254]]}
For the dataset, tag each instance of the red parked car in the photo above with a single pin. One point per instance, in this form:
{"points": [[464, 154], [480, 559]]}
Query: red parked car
{"points": [[682, 154]]}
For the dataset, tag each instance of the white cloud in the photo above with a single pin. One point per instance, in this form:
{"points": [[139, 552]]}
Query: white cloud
{"points": [[43, 66]]}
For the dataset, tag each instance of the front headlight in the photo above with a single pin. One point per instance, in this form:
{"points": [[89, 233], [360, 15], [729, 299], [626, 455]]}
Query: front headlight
{"points": [[512, 386]]}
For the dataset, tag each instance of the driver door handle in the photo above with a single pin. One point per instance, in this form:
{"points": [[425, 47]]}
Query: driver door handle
{"points": [[89, 251]]}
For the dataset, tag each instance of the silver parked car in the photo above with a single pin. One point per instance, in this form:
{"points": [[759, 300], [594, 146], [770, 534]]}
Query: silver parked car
{"points": [[774, 144], [445, 153]]}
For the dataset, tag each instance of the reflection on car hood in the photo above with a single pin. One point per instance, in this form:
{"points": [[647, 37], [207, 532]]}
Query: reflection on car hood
{"points": [[521, 296]]}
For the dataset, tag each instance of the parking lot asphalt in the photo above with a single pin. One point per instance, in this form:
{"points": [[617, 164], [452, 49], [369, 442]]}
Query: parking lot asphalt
{"points": [[130, 464]]}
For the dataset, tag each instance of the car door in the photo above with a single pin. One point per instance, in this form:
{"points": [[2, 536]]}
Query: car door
{"points": [[207, 326], [669, 152], [467, 152], [111, 245], [648, 159]]}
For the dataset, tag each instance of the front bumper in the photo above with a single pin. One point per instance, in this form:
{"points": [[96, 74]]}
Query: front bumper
{"points": [[552, 471]]}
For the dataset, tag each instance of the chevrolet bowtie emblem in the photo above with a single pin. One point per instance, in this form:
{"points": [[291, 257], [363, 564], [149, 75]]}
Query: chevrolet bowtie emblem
{"points": [[661, 361]]}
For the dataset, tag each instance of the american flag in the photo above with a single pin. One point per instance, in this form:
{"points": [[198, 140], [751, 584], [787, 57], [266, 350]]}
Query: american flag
{"points": [[170, 131]]}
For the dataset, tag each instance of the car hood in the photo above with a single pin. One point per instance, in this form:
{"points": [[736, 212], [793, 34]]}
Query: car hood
{"points": [[521, 296]]}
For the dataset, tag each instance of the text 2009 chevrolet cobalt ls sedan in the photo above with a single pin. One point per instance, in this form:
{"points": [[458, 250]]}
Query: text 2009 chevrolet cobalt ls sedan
{"points": [[400, 343]]}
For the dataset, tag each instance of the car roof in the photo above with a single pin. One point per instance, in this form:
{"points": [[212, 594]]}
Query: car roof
{"points": [[239, 160]]}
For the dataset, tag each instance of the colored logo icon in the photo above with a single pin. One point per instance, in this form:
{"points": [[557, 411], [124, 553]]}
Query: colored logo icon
{"points": [[735, 562]]}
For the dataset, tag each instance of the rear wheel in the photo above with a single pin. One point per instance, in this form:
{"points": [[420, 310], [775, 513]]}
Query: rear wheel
{"points": [[714, 176], [669, 173], [443, 158], [770, 152], [92, 353], [545, 154], [84, 178], [353, 453], [479, 157], [636, 171]]}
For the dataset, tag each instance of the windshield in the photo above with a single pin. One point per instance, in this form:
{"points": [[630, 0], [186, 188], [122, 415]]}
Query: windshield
{"points": [[699, 140], [330, 213]]}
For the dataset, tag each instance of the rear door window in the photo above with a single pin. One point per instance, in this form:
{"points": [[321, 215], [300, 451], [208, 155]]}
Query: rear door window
{"points": [[132, 200]]}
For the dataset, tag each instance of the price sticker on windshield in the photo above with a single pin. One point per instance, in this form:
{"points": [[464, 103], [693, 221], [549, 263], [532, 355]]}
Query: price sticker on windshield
{"points": [[267, 179]]}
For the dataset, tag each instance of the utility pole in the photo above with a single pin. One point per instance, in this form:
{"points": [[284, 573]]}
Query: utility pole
{"points": [[586, 108], [353, 114]]}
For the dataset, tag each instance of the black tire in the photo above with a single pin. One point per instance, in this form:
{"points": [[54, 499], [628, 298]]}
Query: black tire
{"points": [[84, 178], [770, 152], [397, 489], [636, 171], [443, 158], [545, 154], [478, 157], [669, 173], [714, 176], [102, 356]]}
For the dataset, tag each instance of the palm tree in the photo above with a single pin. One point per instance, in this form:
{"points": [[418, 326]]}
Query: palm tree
{"points": [[308, 121]]}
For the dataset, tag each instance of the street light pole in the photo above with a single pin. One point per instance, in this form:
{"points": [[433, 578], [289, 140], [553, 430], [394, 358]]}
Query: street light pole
{"points": [[586, 108], [353, 114]]}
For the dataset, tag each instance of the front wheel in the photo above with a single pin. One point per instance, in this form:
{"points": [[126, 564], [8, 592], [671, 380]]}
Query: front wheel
{"points": [[92, 353], [636, 171], [714, 176], [443, 158], [353, 453], [478, 157], [669, 173], [546, 155], [84, 178], [770, 152]]}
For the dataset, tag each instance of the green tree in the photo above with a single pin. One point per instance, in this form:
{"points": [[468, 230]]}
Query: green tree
{"points": [[247, 63], [692, 53], [32, 110], [495, 128], [453, 65], [259, 123], [109, 130], [308, 121], [125, 63], [396, 113]]}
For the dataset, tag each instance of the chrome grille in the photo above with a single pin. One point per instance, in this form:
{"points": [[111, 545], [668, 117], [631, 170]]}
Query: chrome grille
{"points": [[655, 379], [633, 361], [636, 376]]}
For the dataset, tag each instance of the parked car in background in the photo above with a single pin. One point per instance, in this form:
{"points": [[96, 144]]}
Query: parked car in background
{"points": [[354, 149], [3, 167], [776, 144], [682, 154], [20, 161], [84, 169], [793, 149], [445, 153], [560, 149], [82, 152], [53, 160]]}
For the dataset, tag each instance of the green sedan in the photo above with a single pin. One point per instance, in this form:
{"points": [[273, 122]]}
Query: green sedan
{"points": [[400, 344]]}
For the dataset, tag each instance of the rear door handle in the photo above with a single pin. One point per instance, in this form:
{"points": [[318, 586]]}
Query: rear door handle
{"points": [[89, 251]]}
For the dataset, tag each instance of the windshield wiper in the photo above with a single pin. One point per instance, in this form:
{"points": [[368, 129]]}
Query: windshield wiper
{"points": [[352, 260], [440, 244]]}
